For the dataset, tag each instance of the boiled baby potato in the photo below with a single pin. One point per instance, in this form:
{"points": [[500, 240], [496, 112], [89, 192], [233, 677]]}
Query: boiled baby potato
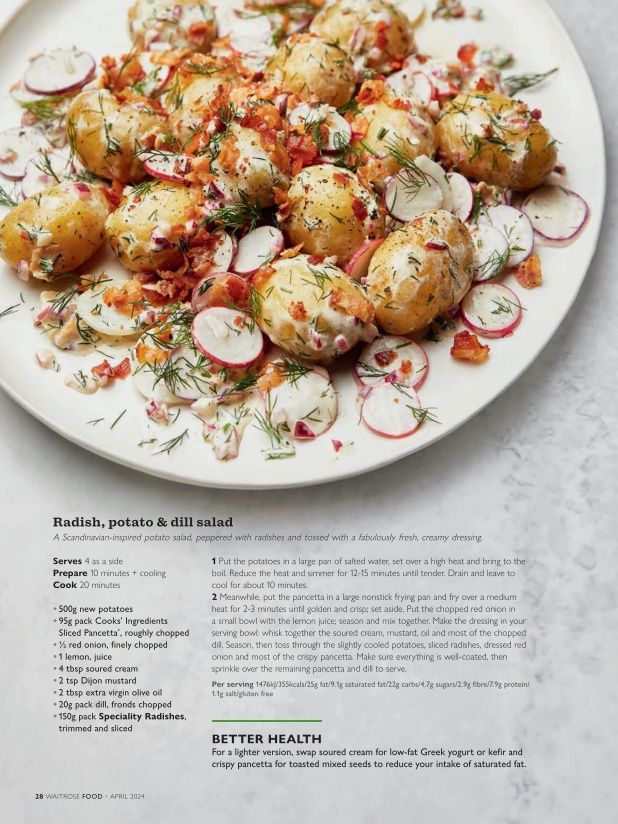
{"points": [[181, 24], [143, 231], [395, 131], [374, 30], [331, 213], [191, 97], [313, 69], [495, 139], [55, 231], [107, 134], [249, 167], [420, 271], [311, 310]]}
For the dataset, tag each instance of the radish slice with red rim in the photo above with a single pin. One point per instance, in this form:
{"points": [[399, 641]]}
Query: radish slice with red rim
{"points": [[411, 193], [222, 289], [157, 75], [228, 337], [104, 318], [556, 213], [199, 300], [430, 167], [191, 378], [491, 310], [257, 249], [305, 403], [45, 170], [394, 357], [17, 147], [491, 251], [182, 377], [462, 196], [224, 252], [339, 130], [59, 71], [412, 84], [167, 166], [358, 267], [516, 227], [392, 411]]}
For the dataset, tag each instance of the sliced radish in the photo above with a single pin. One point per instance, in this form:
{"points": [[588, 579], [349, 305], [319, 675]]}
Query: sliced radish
{"points": [[149, 380], [107, 319], [392, 411], [192, 376], [46, 170], [339, 130], [556, 213], [181, 376], [430, 167], [17, 147], [412, 84], [491, 251], [257, 248], [224, 252], [157, 75], [412, 193], [444, 80], [358, 267], [249, 35], [394, 357], [21, 95], [199, 300], [228, 337], [59, 71], [462, 195], [306, 402], [517, 228], [167, 166], [491, 310], [222, 289]]}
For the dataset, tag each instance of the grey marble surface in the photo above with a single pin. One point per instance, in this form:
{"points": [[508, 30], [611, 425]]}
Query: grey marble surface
{"points": [[535, 473]]}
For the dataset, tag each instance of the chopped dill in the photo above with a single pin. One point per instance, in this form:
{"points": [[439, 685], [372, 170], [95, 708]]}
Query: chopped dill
{"points": [[237, 216], [8, 198], [518, 83], [169, 446], [10, 310], [122, 414]]}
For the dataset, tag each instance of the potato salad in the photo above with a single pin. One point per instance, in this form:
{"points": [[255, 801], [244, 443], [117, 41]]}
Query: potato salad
{"points": [[289, 195]]}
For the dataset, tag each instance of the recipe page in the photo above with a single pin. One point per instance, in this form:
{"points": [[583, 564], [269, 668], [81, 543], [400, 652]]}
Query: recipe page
{"points": [[228, 616]]}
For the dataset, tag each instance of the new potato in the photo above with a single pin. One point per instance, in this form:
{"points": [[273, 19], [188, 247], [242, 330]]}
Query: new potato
{"points": [[149, 213], [311, 310], [56, 231], [181, 24], [313, 69], [331, 213], [493, 138], [420, 271], [247, 166], [395, 135], [190, 97], [107, 134], [373, 29]]}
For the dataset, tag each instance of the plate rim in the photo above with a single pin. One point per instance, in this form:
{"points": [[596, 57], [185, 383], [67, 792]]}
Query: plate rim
{"points": [[336, 476]]}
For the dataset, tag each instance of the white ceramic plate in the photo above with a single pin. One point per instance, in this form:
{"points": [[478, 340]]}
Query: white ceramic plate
{"points": [[455, 392]]}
